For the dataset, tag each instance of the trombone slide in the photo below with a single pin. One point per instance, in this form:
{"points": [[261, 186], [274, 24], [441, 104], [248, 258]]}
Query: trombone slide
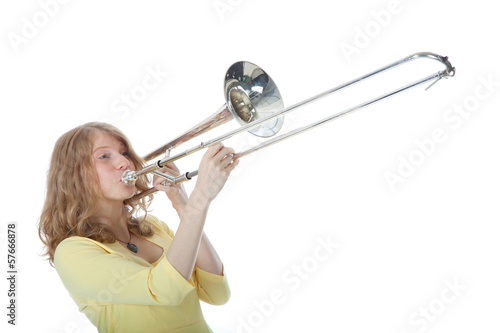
{"points": [[129, 177]]}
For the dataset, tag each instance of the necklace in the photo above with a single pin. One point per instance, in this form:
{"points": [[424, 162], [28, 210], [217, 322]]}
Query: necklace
{"points": [[131, 247]]}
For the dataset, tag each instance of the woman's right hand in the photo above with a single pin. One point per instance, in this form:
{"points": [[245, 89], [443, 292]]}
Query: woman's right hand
{"points": [[214, 170]]}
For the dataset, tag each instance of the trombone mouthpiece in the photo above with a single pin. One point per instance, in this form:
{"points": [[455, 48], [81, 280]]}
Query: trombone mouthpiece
{"points": [[129, 177]]}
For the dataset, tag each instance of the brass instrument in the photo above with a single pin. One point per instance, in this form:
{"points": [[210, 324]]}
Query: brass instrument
{"points": [[253, 99]]}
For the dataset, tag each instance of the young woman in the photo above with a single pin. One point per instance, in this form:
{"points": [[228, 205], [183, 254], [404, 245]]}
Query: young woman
{"points": [[128, 273]]}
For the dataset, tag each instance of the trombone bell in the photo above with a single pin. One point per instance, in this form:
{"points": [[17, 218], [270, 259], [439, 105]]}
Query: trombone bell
{"points": [[251, 95]]}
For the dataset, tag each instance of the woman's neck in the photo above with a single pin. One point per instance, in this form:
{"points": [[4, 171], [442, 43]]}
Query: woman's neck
{"points": [[115, 216]]}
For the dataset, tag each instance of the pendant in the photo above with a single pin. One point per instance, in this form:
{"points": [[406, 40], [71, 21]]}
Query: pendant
{"points": [[132, 247]]}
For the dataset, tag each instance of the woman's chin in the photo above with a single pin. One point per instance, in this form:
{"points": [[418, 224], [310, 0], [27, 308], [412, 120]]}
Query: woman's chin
{"points": [[131, 194]]}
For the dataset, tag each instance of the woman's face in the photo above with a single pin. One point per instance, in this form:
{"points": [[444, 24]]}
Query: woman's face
{"points": [[111, 158]]}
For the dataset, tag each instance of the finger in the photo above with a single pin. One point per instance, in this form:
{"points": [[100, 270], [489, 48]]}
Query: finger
{"points": [[169, 167], [213, 150], [227, 160], [232, 165], [224, 153], [229, 153], [160, 186], [160, 181], [168, 171], [173, 167]]}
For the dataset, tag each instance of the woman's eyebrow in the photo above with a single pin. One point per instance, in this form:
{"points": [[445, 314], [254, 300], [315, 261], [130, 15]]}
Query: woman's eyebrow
{"points": [[122, 146], [101, 147]]}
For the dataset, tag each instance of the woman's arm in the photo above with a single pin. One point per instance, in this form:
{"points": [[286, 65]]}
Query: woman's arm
{"points": [[190, 245], [183, 250], [208, 259]]}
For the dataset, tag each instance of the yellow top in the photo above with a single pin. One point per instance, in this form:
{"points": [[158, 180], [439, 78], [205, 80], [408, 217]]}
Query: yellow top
{"points": [[121, 292]]}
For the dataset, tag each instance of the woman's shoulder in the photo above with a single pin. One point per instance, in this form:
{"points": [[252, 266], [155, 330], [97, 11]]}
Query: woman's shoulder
{"points": [[158, 224], [74, 243], [76, 249]]}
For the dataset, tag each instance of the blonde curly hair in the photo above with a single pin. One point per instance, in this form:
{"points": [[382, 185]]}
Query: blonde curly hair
{"points": [[73, 191]]}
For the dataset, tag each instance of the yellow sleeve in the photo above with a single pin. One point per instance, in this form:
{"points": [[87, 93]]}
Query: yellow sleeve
{"points": [[212, 288], [163, 226], [92, 274]]}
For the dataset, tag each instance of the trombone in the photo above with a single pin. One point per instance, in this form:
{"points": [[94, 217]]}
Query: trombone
{"points": [[254, 101]]}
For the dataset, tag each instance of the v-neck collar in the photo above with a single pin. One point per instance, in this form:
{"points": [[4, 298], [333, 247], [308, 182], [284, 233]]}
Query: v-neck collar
{"points": [[163, 242]]}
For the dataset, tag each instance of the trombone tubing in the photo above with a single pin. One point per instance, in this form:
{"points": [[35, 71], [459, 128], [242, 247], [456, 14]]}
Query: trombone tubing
{"points": [[302, 129], [449, 71]]}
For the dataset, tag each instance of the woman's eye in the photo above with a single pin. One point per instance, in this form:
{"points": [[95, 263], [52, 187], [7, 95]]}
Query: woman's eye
{"points": [[125, 154], [103, 156]]}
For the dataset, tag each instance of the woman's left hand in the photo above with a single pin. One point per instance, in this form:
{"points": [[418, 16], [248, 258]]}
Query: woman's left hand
{"points": [[176, 193]]}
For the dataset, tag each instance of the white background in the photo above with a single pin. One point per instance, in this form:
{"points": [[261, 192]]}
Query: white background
{"points": [[400, 248]]}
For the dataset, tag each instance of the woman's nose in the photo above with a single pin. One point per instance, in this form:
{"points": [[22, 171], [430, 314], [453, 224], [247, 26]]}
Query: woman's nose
{"points": [[123, 163]]}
